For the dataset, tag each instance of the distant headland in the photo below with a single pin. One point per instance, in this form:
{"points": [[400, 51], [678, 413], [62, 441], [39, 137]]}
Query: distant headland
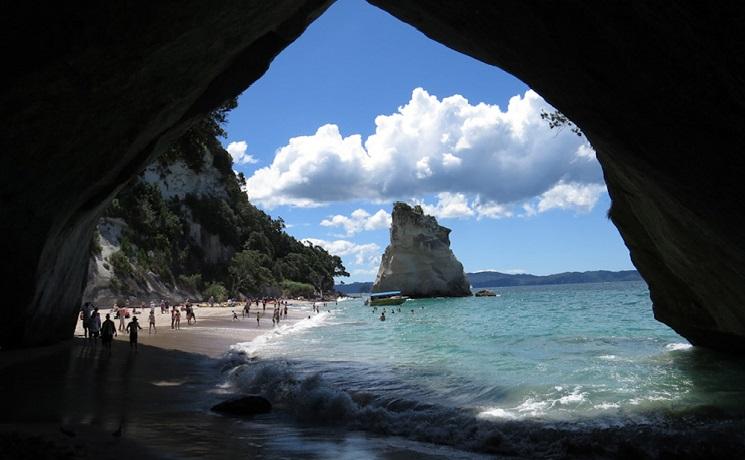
{"points": [[498, 279]]}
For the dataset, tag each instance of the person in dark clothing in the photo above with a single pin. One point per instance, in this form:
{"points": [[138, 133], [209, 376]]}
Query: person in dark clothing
{"points": [[132, 328], [108, 331]]}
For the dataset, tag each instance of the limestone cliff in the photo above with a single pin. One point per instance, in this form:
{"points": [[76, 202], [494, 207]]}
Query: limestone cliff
{"points": [[115, 272], [418, 261]]}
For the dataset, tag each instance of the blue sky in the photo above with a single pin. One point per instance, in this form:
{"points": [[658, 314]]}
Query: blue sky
{"points": [[362, 110]]}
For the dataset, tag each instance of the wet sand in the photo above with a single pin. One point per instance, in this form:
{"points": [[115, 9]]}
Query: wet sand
{"points": [[213, 332], [74, 400]]}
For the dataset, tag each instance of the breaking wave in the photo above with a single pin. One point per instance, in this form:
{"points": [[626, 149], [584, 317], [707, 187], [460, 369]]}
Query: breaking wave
{"points": [[308, 397], [251, 349]]}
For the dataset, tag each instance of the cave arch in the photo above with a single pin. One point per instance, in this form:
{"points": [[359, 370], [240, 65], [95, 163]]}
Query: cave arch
{"points": [[93, 94]]}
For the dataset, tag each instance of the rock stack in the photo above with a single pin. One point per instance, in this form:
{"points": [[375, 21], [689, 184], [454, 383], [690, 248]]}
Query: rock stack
{"points": [[418, 261]]}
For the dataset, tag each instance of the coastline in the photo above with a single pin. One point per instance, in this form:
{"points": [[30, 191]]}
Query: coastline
{"points": [[214, 331], [151, 403]]}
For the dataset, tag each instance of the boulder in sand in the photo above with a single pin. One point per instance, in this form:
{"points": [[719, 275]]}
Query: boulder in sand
{"points": [[245, 405]]}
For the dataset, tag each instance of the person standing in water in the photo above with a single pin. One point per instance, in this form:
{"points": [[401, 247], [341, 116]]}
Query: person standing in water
{"points": [[258, 316], [108, 331], [151, 320], [132, 328]]}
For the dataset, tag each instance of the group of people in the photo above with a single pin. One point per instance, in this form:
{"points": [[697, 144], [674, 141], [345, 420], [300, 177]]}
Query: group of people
{"points": [[382, 314], [280, 309], [188, 308], [93, 327]]}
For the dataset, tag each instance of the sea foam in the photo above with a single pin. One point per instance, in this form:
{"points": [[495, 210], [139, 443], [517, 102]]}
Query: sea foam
{"points": [[251, 349]]}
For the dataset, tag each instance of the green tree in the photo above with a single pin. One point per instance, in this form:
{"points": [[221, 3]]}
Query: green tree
{"points": [[249, 271], [558, 120], [216, 291]]}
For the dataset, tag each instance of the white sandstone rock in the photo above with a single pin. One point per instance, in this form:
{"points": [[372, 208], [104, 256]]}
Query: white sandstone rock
{"points": [[418, 261]]}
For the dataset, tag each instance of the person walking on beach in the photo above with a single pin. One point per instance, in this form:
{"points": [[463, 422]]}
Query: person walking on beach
{"points": [[258, 316], [177, 319], [151, 321], [108, 331], [132, 328], [173, 317], [94, 326], [85, 316]]}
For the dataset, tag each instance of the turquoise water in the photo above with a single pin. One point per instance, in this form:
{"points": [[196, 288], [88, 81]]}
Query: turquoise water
{"points": [[452, 371]]}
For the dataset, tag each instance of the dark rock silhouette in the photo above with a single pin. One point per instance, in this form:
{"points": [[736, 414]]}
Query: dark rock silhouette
{"points": [[246, 405], [91, 94]]}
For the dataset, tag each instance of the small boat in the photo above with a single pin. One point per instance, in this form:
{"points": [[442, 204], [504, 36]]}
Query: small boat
{"points": [[386, 298]]}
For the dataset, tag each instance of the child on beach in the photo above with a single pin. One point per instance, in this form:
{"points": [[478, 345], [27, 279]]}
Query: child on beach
{"points": [[122, 326], [177, 319], [132, 328], [151, 320], [108, 331], [235, 316]]}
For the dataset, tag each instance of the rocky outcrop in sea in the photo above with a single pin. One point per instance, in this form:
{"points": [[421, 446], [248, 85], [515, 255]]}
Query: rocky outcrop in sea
{"points": [[418, 261]]}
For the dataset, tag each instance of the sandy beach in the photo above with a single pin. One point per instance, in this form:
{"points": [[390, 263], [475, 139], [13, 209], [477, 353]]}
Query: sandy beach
{"points": [[150, 404], [214, 330]]}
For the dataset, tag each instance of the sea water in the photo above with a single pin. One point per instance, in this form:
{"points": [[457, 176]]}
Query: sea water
{"points": [[479, 373]]}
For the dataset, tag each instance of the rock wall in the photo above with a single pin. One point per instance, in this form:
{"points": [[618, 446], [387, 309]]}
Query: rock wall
{"points": [[658, 88], [150, 286], [418, 261], [174, 181], [91, 93]]}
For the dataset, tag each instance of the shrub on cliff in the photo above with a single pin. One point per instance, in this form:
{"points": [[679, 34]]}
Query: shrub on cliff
{"points": [[191, 282], [120, 264], [216, 291], [295, 289]]}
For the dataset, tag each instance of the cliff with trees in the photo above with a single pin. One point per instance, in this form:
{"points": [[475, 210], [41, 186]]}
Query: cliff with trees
{"points": [[184, 228]]}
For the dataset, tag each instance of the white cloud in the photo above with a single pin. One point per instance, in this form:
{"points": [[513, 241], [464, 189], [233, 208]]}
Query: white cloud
{"points": [[484, 159], [237, 150], [367, 253], [358, 221], [373, 271], [449, 206], [576, 196], [457, 206]]}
